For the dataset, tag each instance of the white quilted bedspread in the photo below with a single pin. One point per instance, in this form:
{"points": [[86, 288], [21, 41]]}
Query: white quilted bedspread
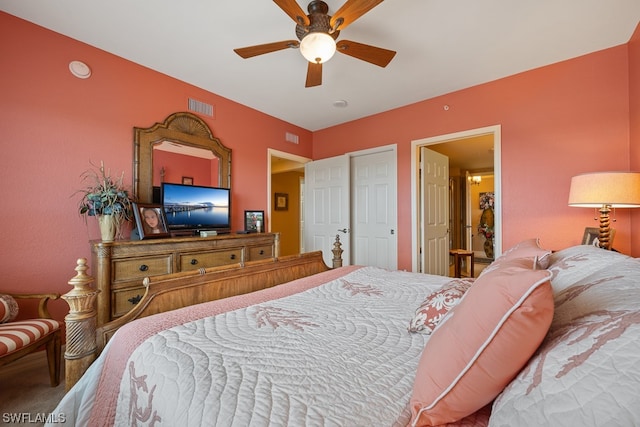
{"points": [[335, 355]]}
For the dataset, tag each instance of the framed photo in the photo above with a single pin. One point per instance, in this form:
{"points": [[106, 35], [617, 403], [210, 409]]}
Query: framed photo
{"points": [[150, 221], [281, 201], [187, 180], [591, 234], [252, 219]]}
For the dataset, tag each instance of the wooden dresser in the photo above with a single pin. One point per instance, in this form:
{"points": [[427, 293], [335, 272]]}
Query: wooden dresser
{"points": [[119, 267]]}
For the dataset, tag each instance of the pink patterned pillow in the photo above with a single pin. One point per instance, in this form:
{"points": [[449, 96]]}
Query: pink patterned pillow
{"points": [[437, 305], [8, 308]]}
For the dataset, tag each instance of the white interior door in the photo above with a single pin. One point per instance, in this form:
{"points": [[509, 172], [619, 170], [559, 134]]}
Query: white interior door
{"points": [[373, 217], [326, 207], [435, 212]]}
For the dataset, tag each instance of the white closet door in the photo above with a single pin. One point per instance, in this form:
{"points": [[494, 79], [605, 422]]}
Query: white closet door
{"points": [[326, 207], [374, 236]]}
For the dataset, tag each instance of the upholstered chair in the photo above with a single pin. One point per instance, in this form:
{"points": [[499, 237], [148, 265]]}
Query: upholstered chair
{"points": [[19, 338]]}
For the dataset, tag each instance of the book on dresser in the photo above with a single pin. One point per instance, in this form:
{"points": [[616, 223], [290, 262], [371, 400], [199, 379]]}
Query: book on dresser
{"points": [[119, 267]]}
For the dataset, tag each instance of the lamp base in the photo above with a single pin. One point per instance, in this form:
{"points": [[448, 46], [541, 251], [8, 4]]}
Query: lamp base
{"points": [[604, 237]]}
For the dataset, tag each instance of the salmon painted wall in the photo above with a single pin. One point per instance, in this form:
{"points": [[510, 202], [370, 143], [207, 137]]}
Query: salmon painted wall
{"points": [[557, 121], [634, 126], [53, 124]]}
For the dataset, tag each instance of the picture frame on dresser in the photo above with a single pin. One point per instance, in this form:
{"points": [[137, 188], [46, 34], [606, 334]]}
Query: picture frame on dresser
{"points": [[151, 221], [591, 234], [254, 221]]}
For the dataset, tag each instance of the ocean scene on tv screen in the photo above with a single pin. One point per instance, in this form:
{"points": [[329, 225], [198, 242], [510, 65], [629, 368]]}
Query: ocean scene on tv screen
{"points": [[191, 206]]}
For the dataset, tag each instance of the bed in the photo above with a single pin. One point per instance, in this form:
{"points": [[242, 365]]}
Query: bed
{"points": [[539, 338]]}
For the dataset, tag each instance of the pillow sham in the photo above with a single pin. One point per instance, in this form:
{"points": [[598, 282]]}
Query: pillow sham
{"points": [[8, 308], [437, 304], [529, 248], [587, 370], [482, 343], [573, 264]]}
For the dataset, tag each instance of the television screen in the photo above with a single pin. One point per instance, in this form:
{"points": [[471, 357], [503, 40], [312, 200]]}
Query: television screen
{"points": [[192, 207]]}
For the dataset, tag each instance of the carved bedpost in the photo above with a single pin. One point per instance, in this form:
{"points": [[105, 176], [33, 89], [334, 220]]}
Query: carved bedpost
{"points": [[80, 323], [276, 251], [337, 252]]}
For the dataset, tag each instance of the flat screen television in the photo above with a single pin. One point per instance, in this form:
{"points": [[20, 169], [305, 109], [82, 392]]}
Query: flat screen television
{"points": [[193, 208]]}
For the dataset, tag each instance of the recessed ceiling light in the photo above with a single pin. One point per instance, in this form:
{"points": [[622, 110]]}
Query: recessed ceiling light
{"points": [[341, 103], [80, 69]]}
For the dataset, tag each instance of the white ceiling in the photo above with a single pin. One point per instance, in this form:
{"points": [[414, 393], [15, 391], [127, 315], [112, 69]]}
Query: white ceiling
{"points": [[442, 46]]}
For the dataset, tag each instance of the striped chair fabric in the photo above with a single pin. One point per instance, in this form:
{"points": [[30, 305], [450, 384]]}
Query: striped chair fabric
{"points": [[17, 335]]}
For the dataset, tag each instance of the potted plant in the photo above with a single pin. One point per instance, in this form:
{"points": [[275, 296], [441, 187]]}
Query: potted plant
{"points": [[105, 198]]}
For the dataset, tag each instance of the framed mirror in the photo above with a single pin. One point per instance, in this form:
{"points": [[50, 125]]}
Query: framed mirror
{"points": [[186, 132]]}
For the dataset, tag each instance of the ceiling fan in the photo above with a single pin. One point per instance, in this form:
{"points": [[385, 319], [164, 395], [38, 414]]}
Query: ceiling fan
{"points": [[317, 33]]}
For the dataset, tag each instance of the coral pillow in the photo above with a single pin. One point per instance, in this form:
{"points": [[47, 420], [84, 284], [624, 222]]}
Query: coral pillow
{"points": [[437, 304], [482, 343], [529, 249], [8, 308]]}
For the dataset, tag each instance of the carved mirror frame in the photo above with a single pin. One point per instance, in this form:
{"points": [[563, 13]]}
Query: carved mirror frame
{"points": [[182, 128]]}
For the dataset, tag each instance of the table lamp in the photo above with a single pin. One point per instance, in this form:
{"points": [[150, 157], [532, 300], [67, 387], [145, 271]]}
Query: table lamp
{"points": [[604, 191]]}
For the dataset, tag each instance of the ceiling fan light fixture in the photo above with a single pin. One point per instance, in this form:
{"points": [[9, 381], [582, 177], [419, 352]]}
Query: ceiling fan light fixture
{"points": [[317, 47]]}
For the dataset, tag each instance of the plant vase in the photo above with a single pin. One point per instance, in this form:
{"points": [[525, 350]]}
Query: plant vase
{"points": [[107, 224], [488, 248]]}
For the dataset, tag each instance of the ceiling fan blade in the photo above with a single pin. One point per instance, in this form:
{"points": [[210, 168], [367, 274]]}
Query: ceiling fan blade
{"points": [[250, 51], [293, 9], [350, 11], [374, 55], [314, 75]]}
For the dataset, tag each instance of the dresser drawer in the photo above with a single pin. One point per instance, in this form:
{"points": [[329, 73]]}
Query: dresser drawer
{"points": [[124, 300], [139, 268], [196, 260], [260, 252]]}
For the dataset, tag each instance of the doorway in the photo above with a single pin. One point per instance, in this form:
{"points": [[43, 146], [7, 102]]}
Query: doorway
{"points": [[285, 174], [472, 153]]}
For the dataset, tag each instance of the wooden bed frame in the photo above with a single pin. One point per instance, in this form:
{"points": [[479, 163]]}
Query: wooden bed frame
{"points": [[84, 341]]}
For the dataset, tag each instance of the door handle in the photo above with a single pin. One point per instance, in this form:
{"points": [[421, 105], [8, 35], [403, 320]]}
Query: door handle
{"points": [[344, 230]]}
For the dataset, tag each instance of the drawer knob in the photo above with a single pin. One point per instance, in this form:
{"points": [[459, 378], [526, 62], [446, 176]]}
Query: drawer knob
{"points": [[194, 261], [233, 256], [135, 300], [261, 251], [144, 267]]}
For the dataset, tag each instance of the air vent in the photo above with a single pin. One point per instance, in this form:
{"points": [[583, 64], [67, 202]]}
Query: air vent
{"points": [[291, 137], [200, 107]]}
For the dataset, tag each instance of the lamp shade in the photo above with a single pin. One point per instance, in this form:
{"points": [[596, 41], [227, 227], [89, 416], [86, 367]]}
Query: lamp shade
{"points": [[317, 47], [615, 189]]}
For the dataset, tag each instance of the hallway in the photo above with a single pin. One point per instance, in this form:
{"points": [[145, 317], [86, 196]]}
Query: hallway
{"points": [[479, 264]]}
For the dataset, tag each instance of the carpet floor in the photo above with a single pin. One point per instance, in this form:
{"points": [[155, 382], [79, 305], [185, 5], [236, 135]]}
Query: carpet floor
{"points": [[26, 395]]}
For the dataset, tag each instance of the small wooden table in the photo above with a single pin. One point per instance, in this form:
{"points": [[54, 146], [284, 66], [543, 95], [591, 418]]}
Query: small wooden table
{"points": [[458, 254]]}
